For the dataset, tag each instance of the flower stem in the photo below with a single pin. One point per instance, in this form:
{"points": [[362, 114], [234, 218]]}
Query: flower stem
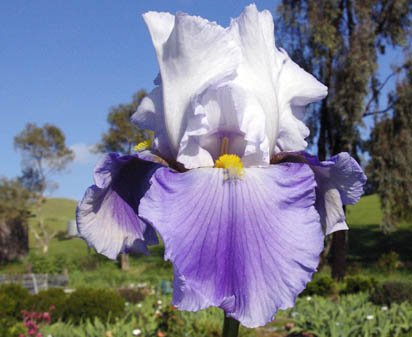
{"points": [[230, 327]]}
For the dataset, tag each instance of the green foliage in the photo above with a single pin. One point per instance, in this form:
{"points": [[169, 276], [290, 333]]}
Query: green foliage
{"points": [[60, 263], [87, 303], [13, 299], [392, 292], [390, 147], [122, 134], [44, 300], [351, 316], [15, 200], [44, 151], [15, 330], [15, 203], [152, 317], [358, 283], [389, 262], [40, 264], [322, 285], [339, 41], [134, 295]]}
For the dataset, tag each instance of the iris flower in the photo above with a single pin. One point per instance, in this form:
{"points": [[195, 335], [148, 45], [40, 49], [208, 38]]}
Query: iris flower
{"points": [[241, 209]]}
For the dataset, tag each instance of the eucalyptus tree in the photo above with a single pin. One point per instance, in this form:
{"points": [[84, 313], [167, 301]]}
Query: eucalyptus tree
{"points": [[391, 156], [122, 134], [44, 153], [15, 205], [339, 41]]}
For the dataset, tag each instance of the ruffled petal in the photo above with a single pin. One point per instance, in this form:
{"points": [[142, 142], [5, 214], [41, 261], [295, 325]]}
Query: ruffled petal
{"points": [[192, 54], [107, 217], [340, 181], [246, 245], [295, 89], [253, 31], [222, 111]]}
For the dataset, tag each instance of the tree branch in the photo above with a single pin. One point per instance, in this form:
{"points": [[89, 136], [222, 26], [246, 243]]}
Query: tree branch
{"points": [[366, 112], [377, 112]]}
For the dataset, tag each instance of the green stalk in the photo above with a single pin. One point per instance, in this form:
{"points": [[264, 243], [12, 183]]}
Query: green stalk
{"points": [[230, 327]]}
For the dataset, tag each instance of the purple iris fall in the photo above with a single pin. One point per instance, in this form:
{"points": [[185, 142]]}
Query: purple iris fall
{"points": [[241, 209]]}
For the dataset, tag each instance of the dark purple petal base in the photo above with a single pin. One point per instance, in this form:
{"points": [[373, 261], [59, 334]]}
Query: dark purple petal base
{"points": [[107, 217]]}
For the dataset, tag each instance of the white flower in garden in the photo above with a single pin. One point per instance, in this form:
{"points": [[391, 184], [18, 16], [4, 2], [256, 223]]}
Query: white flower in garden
{"points": [[369, 317], [384, 308], [137, 332], [159, 302], [139, 305], [308, 298]]}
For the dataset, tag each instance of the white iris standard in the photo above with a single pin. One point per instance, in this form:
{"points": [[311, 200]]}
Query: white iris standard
{"points": [[220, 82]]}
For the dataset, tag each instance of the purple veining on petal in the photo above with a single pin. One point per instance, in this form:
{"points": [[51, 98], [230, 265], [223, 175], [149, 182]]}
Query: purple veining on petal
{"points": [[246, 245], [107, 217], [340, 182]]}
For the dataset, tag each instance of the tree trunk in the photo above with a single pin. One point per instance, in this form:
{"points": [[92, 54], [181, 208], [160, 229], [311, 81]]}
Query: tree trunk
{"points": [[14, 240], [124, 261], [339, 255]]}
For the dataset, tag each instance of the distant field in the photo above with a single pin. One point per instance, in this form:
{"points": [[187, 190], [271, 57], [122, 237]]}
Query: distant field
{"points": [[56, 213], [366, 211], [366, 241]]}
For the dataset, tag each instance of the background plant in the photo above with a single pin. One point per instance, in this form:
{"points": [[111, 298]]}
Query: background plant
{"points": [[44, 153]]}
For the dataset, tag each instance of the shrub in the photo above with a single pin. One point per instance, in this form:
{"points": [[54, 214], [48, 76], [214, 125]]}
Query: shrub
{"points": [[13, 299], [15, 204], [350, 316], [389, 262], [53, 297], [92, 262], [93, 303], [392, 292], [321, 285], [41, 264], [63, 262], [134, 295], [358, 283]]}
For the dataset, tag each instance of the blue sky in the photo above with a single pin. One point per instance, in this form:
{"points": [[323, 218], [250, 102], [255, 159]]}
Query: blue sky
{"points": [[68, 62]]}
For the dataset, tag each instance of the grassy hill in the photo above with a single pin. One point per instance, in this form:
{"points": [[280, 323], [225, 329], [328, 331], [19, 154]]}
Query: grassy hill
{"points": [[56, 213], [366, 212]]}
